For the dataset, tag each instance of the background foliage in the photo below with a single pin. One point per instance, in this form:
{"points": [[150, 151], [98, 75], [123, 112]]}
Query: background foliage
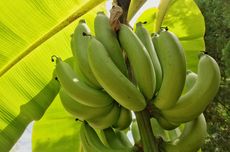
{"points": [[217, 42]]}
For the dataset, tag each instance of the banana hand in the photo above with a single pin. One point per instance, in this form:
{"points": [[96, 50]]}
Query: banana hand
{"points": [[112, 79], [92, 143], [108, 38], [173, 64], [140, 61], [193, 103], [191, 78], [80, 41], [81, 111], [111, 139], [191, 139], [145, 38], [78, 90]]}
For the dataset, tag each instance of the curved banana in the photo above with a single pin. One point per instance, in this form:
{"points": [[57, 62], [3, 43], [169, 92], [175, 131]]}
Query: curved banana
{"points": [[164, 123], [78, 90], [90, 140], [81, 111], [73, 62], [164, 134], [111, 78], [139, 59], [191, 139], [92, 143], [191, 79], [135, 132], [145, 38], [173, 64], [106, 121], [108, 38], [111, 138], [124, 120], [158, 131], [123, 138], [80, 40], [193, 103]]}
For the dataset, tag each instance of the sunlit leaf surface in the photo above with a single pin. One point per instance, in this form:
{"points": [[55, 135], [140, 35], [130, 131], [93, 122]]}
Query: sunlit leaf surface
{"points": [[27, 86], [56, 131]]}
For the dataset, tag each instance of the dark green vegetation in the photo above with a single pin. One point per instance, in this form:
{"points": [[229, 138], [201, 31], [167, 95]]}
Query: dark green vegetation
{"points": [[217, 41]]}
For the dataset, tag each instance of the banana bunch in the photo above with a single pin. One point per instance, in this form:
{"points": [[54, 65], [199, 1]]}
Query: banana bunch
{"points": [[91, 142], [191, 138], [94, 82], [112, 74]]}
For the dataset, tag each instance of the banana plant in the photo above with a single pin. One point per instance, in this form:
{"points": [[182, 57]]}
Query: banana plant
{"points": [[31, 32]]}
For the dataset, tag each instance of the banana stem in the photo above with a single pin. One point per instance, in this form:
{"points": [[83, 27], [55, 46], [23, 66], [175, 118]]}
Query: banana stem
{"points": [[148, 140]]}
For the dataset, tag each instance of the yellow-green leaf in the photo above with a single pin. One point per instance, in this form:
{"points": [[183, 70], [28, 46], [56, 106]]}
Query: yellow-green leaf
{"points": [[57, 131], [30, 33]]}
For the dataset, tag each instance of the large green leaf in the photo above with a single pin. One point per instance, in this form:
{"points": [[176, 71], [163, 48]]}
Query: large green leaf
{"points": [[32, 110], [56, 131], [184, 18], [28, 38]]}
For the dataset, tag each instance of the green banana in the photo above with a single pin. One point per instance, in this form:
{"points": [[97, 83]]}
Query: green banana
{"points": [[73, 62], [164, 134], [92, 143], [135, 132], [173, 64], [158, 131], [145, 38], [173, 134], [124, 138], [191, 139], [81, 111], [78, 90], [106, 121], [108, 38], [80, 40], [140, 61], [73, 45], [193, 103], [124, 120], [111, 138], [191, 79], [164, 123], [111, 78]]}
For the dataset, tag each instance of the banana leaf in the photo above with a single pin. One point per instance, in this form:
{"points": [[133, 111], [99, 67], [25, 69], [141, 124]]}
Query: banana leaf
{"points": [[30, 33]]}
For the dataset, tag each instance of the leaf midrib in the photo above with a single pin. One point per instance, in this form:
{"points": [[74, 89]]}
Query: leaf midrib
{"points": [[57, 28]]}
